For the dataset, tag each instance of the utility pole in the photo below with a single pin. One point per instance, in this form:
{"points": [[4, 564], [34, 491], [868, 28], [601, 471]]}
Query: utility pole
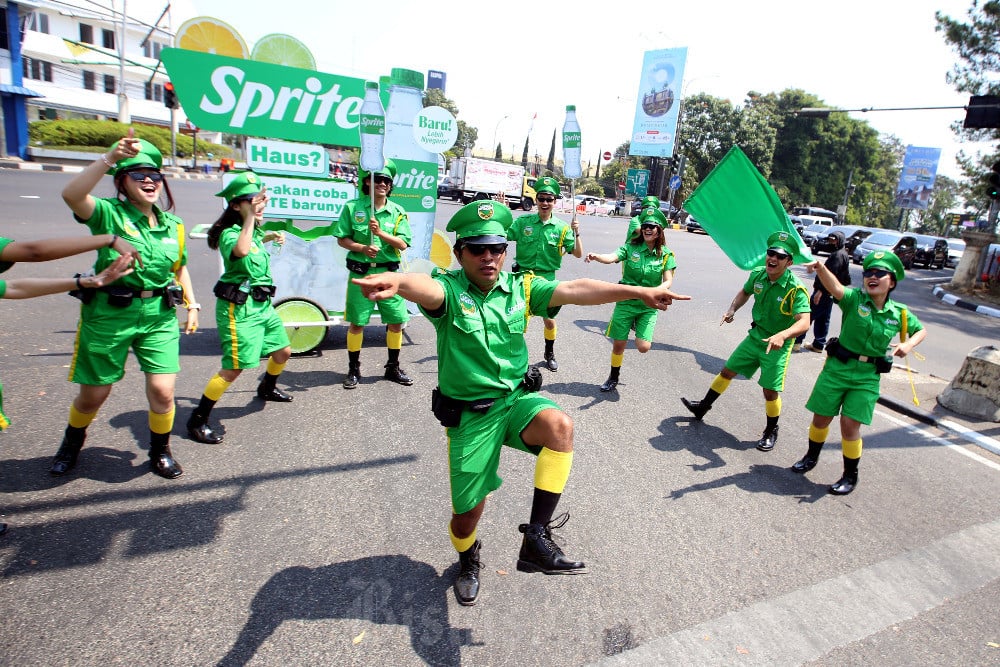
{"points": [[124, 116]]}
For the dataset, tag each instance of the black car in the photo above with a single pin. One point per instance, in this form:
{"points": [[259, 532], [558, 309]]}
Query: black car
{"points": [[822, 243], [932, 251], [447, 188], [694, 227], [857, 237]]}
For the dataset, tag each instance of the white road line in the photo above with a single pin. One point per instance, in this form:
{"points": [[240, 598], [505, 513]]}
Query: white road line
{"points": [[941, 441], [807, 624]]}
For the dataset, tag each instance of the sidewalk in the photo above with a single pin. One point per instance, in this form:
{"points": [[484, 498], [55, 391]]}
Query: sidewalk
{"points": [[967, 302], [171, 172]]}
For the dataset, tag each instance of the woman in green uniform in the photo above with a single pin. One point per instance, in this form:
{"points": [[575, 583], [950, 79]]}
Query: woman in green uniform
{"points": [[649, 202], [247, 324], [375, 241], [137, 312], [647, 262], [848, 385]]}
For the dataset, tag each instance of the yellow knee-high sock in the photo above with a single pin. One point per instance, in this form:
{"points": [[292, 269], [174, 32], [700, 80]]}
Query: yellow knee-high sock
{"points": [[720, 384], [273, 367], [462, 543], [552, 470], [616, 360], [393, 340], [354, 341], [550, 334], [817, 434], [216, 387], [773, 408], [852, 448], [79, 419], [161, 424]]}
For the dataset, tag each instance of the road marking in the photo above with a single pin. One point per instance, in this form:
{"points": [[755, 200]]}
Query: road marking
{"points": [[807, 624], [981, 440], [30, 197], [932, 279]]}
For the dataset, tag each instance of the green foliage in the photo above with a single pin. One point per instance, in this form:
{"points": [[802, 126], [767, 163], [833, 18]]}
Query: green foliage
{"points": [[97, 135]]}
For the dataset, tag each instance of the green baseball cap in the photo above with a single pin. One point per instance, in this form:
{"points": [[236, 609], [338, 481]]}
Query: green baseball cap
{"points": [[885, 259], [388, 170], [548, 184], [484, 221], [149, 156], [654, 215], [245, 183], [782, 241]]}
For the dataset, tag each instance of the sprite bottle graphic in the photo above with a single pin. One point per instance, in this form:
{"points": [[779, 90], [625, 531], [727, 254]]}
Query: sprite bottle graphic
{"points": [[571, 145], [372, 129]]}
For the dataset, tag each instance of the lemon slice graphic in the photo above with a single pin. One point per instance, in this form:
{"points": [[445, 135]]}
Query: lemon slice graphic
{"points": [[283, 50]]}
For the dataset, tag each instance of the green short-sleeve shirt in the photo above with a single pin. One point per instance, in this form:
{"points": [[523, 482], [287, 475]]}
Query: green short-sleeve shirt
{"points": [[255, 266], [353, 224], [158, 246], [775, 304], [642, 266], [868, 331], [480, 337], [4, 242], [541, 245]]}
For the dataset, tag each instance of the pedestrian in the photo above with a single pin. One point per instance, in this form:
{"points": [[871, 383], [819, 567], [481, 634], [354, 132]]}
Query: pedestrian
{"points": [[542, 239], [821, 303], [375, 241], [633, 224], [39, 251], [780, 313], [137, 311], [487, 397], [244, 316], [848, 385], [647, 262]]}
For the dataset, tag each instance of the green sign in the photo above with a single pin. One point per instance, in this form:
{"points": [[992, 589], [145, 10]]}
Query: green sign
{"points": [[260, 99], [637, 182]]}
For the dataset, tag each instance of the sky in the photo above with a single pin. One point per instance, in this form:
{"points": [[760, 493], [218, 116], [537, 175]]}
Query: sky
{"points": [[507, 62]]}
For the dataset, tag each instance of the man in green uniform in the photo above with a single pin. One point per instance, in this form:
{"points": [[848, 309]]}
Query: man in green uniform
{"points": [[849, 382], [487, 397], [542, 239], [375, 241], [780, 313]]}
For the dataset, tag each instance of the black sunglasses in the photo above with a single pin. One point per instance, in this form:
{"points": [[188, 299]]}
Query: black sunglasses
{"points": [[546, 200], [479, 249], [648, 225], [877, 273], [140, 176], [777, 253], [382, 180]]}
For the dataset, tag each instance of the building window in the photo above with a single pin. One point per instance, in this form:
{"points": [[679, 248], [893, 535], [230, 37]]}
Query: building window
{"points": [[154, 92], [152, 50], [38, 22], [88, 80], [108, 38], [86, 33], [36, 69], [4, 41], [109, 84]]}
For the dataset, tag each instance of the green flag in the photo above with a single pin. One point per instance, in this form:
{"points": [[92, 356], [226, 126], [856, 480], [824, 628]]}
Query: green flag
{"points": [[739, 209]]}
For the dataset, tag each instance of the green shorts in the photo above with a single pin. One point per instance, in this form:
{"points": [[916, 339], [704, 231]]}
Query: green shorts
{"points": [[474, 445], [850, 389], [105, 334], [248, 332], [750, 355], [358, 309], [632, 314]]}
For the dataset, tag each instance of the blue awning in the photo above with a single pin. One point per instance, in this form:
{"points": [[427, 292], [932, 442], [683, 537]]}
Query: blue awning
{"points": [[8, 89]]}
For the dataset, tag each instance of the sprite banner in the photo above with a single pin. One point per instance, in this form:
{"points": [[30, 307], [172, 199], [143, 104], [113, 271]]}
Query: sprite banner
{"points": [[237, 96]]}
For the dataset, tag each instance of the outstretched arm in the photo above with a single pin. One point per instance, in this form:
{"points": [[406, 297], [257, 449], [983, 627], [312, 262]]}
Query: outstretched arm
{"points": [[26, 288], [827, 278], [49, 249], [738, 302], [609, 258], [588, 292], [419, 288], [76, 194]]}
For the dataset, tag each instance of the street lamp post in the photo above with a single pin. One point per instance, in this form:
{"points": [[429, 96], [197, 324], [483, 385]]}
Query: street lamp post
{"points": [[493, 147]]}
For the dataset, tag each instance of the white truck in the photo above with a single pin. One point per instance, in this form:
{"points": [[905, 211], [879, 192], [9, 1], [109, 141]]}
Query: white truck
{"points": [[475, 178]]}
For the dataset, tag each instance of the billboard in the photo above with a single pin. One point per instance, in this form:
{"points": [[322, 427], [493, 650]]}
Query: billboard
{"points": [[658, 103], [916, 180]]}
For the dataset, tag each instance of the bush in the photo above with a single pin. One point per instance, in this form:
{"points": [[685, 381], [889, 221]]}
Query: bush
{"points": [[97, 135]]}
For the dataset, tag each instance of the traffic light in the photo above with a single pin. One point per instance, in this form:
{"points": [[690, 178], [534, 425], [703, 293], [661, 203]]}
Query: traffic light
{"points": [[169, 97], [993, 189]]}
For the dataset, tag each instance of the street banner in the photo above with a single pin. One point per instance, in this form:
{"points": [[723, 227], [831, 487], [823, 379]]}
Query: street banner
{"points": [[916, 181], [658, 103], [285, 158], [739, 209], [237, 96]]}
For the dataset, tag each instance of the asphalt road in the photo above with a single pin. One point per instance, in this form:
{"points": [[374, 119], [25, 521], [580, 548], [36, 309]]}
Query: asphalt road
{"points": [[316, 534]]}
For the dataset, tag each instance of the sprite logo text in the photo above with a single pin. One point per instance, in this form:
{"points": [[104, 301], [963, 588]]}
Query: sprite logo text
{"points": [[372, 124], [571, 139]]}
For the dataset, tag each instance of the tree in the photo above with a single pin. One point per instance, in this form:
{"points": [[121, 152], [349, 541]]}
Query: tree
{"points": [[550, 164], [524, 156], [498, 156]]}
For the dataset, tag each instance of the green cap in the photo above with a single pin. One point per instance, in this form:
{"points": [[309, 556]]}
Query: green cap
{"points": [[388, 170], [547, 184], [245, 183], [651, 202], [654, 215], [784, 242], [484, 221], [885, 259], [148, 156]]}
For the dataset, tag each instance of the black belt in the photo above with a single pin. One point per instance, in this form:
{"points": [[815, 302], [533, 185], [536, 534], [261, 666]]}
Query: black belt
{"points": [[134, 294], [860, 357]]}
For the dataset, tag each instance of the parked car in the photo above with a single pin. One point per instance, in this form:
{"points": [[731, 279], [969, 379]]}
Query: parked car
{"points": [[904, 245], [932, 251], [857, 237], [822, 244], [694, 226], [447, 187], [956, 247], [812, 232]]}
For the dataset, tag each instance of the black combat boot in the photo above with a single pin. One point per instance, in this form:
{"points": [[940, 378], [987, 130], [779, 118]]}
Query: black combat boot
{"points": [[65, 458], [467, 583], [162, 461], [540, 554], [768, 439], [550, 356], [809, 461], [396, 374], [847, 483], [200, 431], [353, 375], [612, 380], [699, 408], [268, 391]]}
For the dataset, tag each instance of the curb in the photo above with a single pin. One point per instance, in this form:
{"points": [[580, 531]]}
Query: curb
{"points": [[968, 305], [987, 443], [67, 168]]}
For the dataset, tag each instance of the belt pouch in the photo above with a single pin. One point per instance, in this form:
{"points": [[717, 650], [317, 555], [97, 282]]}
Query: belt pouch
{"points": [[173, 295], [119, 297], [230, 292], [357, 267], [447, 410]]}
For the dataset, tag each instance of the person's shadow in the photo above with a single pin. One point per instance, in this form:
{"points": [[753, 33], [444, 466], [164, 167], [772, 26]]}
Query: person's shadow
{"points": [[763, 478], [390, 590]]}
